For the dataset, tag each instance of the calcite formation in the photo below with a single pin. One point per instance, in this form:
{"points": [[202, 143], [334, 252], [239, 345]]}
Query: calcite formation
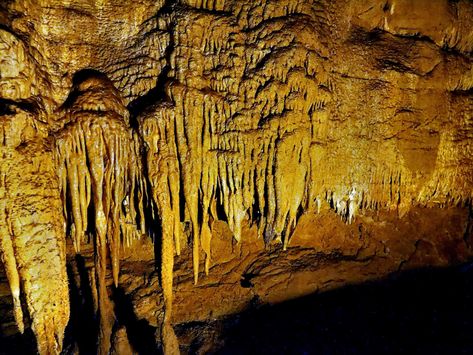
{"points": [[255, 126], [99, 167]]}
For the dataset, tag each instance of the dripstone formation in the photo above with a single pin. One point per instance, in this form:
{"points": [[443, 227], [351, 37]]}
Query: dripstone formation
{"points": [[188, 157]]}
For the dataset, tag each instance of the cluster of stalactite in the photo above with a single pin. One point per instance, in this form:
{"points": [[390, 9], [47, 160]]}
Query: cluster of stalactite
{"points": [[99, 167], [271, 109], [100, 172], [267, 176]]}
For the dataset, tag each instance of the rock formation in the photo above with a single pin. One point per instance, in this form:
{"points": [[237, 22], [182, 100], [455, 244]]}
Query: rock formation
{"points": [[245, 150]]}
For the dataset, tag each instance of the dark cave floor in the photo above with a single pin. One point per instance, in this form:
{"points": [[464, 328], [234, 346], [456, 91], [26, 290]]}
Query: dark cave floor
{"points": [[426, 311]]}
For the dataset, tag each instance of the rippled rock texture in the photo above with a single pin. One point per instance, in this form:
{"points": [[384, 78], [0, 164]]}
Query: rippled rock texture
{"points": [[164, 162]]}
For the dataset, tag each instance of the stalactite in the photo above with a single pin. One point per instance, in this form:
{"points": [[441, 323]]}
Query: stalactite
{"points": [[208, 185], [31, 241], [170, 343], [290, 181], [165, 183], [9, 261], [7, 254], [99, 168]]}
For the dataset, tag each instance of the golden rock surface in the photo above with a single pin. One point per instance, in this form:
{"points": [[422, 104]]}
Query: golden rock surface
{"points": [[334, 138]]}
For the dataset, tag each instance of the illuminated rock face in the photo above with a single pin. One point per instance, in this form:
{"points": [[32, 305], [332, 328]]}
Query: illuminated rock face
{"points": [[272, 116]]}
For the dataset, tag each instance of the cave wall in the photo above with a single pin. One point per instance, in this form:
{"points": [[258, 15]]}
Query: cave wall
{"points": [[262, 149]]}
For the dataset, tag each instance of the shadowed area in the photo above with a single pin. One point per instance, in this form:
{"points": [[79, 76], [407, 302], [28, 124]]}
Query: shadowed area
{"points": [[418, 312]]}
